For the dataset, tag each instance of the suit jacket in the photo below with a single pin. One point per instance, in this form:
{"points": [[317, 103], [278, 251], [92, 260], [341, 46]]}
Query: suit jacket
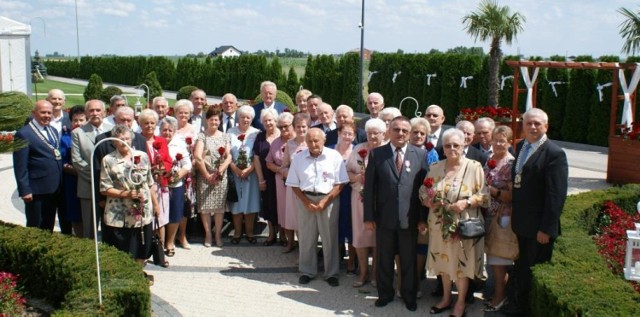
{"points": [[258, 109], [83, 141], [66, 121], [537, 204], [35, 166], [474, 154], [332, 137], [439, 148], [389, 197]]}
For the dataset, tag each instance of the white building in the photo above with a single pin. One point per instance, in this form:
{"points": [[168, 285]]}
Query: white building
{"points": [[226, 51]]}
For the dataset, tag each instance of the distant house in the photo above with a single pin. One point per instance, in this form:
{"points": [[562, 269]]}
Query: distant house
{"points": [[365, 52], [226, 51]]}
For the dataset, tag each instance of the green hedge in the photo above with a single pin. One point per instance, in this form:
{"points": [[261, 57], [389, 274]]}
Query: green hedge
{"points": [[577, 281], [61, 269]]}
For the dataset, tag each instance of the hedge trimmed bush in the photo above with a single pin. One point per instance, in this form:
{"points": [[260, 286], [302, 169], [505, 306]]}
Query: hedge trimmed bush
{"points": [[94, 88], [577, 281], [185, 92], [281, 96], [61, 269], [109, 92]]}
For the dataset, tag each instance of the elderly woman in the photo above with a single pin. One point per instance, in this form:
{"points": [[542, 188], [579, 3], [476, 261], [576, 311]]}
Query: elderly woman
{"points": [[158, 153], [346, 135], [301, 100], [126, 180], [364, 240], [456, 191], [181, 166], [498, 179], [212, 159], [266, 177], [301, 123], [420, 129], [243, 137], [187, 133], [274, 164]]}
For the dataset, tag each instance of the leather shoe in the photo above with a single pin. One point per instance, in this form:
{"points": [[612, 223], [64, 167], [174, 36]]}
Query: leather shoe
{"points": [[304, 279], [333, 281], [412, 306], [381, 302]]}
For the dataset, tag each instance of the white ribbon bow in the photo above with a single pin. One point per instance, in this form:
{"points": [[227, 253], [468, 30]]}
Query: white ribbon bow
{"points": [[627, 115], [429, 78], [600, 87], [371, 74], [463, 81], [395, 75], [503, 79], [529, 83], [553, 86]]}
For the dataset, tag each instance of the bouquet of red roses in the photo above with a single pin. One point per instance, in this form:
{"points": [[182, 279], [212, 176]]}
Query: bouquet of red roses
{"points": [[243, 160]]}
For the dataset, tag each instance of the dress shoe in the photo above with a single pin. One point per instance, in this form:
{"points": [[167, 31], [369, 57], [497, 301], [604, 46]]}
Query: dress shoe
{"points": [[333, 281], [437, 310], [357, 283], [411, 306], [381, 302], [304, 279], [494, 308]]}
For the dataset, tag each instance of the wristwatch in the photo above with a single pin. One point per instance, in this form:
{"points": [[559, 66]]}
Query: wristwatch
{"points": [[468, 202]]}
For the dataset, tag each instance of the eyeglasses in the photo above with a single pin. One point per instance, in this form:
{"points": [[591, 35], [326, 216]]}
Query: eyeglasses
{"points": [[451, 146], [284, 127], [398, 130], [431, 115]]}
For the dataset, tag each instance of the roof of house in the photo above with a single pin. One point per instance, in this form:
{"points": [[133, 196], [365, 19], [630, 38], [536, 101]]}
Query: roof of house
{"points": [[222, 49]]}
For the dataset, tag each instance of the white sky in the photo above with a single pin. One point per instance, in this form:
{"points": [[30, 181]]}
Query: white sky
{"points": [[173, 27]]}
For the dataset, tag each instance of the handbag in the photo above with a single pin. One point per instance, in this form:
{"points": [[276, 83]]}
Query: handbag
{"points": [[232, 193], [471, 228], [157, 248], [501, 241]]}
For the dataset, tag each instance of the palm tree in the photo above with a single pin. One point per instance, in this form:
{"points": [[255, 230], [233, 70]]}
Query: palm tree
{"points": [[495, 22], [630, 31]]}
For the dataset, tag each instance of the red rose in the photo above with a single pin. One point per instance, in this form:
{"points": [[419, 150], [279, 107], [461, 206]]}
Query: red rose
{"points": [[241, 137], [157, 145], [428, 146], [287, 110], [189, 140], [221, 150], [178, 157], [136, 159], [428, 182], [492, 164], [8, 137], [362, 153]]}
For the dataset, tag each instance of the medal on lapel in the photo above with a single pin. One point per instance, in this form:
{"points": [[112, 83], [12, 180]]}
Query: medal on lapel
{"points": [[517, 180]]}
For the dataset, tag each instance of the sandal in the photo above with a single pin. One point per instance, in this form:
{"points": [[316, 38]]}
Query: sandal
{"points": [[170, 252], [251, 240], [235, 240]]}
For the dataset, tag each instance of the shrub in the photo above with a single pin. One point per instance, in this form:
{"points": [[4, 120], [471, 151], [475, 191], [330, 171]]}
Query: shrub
{"points": [[61, 269], [15, 107], [11, 301], [281, 96], [94, 88], [185, 92], [109, 92], [155, 89]]}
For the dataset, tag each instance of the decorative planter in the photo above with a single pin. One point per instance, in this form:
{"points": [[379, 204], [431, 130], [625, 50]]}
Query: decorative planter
{"points": [[623, 166]]}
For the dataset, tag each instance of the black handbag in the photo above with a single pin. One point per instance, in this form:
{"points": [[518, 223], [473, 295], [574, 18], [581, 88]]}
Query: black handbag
{"points": [[232, 193], [157, 248], [471, 228]]}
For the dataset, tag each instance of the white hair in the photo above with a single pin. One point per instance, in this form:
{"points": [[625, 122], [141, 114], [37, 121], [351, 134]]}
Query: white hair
{"points": [[375, 123], [268, 112], [246, 110], [389, 112], [347, 108], [536, 112], [183, 103], [267, 83]]}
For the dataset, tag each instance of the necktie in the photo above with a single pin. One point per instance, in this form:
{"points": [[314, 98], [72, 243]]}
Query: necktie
{"points": [[524, 156], [399, 160], [229, 124], [49, 135]]}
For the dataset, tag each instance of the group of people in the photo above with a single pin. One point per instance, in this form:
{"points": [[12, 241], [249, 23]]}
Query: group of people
{"points": [[386, 186]]}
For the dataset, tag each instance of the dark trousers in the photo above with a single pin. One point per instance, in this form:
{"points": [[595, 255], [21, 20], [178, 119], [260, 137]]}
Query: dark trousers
{"points": [[531, 253], [41, 211], [390, 242], [65, 225]]}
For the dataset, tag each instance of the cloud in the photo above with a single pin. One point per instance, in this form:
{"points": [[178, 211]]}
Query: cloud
{"points": [[8, 5], [117, 8]]}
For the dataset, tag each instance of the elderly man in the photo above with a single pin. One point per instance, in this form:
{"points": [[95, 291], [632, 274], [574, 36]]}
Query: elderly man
{"points": [[83, 142], [316, 176], [38, 168], [116, 102], [268, 92], [470, 151], [392, 207], [326, 118], [161, 106], [59, 118], [484, 130], [375, 104], [199, 99], [313, 102], [435, 116], [344, 114], [540, 179], [229, 107]]}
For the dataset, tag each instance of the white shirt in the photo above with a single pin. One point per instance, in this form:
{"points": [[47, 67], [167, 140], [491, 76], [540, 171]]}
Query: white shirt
{"points": [[177, 145], [225, 118], [317, 174], [434, 140], [403, 150], [56, 123], [196, 122]]}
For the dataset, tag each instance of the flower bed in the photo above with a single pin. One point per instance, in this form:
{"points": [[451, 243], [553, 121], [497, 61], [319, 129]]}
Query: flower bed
{"points": [[611, 237], [11, 301], [498, 114]]}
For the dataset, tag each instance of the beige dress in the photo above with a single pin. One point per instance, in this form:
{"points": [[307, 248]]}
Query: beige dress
{"points": [[362, 238], [450, 256], [212, 198]]}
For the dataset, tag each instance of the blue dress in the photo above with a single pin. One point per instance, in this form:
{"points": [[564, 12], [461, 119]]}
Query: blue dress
{"points": [[248, 191], [69, 181], [345, 231]]}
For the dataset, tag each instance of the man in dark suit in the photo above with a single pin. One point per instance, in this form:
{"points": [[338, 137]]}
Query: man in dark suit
{"points": [[392, 207], [268, 91], [435, 115], [326, 118], [229, 106], [38, 168], [470, 151], [540, 177], [344, 114], [375, 104]]}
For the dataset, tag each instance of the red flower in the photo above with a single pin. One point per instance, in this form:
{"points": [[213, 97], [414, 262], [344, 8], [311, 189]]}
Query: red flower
{"points": [[221, 150], [189, 140], [428, 182], [428, 146], [8, 137], [178, 157], [362, 153], [157, 145], [241, 137], [492, 164], [136, 159], [287, 110]]}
